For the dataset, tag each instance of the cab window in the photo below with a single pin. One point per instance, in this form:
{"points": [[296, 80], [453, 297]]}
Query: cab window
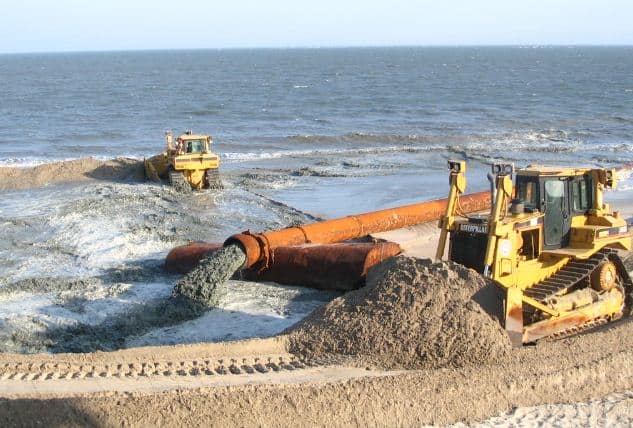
{"points": [[195, 146], [581, 193], [554, 193], [527, 191]]}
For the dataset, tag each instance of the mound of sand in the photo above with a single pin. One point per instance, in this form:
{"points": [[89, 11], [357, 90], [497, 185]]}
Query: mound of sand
{"points": [[412, 314], [119, 169]]}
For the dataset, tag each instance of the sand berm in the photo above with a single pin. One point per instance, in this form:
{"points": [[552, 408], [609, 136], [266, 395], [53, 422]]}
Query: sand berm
{"points": [[85, 169]]}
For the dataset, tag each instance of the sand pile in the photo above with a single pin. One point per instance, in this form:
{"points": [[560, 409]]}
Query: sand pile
{"points": [[119, 169], [412, 314]]}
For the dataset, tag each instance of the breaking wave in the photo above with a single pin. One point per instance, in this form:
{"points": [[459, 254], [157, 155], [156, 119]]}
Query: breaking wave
{"points": [[483, 145]]}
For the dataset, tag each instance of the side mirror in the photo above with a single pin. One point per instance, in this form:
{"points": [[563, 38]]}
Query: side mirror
{"points": [[456, 166], [503, 168]]}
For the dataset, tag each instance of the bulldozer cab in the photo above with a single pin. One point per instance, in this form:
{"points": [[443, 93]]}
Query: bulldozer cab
{"points": [[559, 198], [188, 143]]}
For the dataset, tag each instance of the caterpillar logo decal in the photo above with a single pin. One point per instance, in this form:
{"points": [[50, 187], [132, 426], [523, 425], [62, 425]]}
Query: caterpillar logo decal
{"points": [[474, 228]]}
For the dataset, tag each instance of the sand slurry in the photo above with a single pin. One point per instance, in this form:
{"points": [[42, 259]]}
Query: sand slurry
{"points": [[119, 169], [200, 285], [411, 314]]}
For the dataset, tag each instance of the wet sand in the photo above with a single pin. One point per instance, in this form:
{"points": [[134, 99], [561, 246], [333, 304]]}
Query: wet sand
{"points": [[86, 169]]}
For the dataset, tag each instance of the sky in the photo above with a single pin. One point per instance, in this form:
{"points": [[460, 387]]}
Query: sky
{"points": [[96, 25]]}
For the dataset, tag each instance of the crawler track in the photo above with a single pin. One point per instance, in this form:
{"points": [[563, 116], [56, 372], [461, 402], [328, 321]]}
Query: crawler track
{"points": [[213, 180], [572, 274], [178, 182], [578, 270]]}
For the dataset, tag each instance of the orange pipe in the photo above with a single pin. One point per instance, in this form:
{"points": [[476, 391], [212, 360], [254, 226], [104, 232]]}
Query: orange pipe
{"points": [[258, 246], [185, 257], [324, 266]]}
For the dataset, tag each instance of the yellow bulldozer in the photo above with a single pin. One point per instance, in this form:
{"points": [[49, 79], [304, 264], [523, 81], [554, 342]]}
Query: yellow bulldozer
{"points": [[549, 243], [186, 164]]}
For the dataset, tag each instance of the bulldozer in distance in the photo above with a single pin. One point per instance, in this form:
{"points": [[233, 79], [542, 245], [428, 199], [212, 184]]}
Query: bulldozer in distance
{"points": [[188, 164], [549, 243]]}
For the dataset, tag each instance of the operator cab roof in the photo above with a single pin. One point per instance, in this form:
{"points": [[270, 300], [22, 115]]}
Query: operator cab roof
{"points": [[193, 137], [552, 171]]}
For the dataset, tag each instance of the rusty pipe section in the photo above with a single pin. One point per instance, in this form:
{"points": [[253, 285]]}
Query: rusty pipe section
{"points": [[184, 258], [259, 246], [325, 267]]}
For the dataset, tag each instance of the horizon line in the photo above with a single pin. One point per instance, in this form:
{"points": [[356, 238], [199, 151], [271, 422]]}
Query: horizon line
{"points": [[317, 47]]}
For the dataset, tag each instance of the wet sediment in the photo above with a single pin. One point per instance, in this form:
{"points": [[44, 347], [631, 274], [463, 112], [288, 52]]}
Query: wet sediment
{"points": [[200, 285], [193, 295]]}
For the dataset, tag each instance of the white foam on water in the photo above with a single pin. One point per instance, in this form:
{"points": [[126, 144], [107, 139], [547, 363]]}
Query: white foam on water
{"points": [[102, 242], [256, 156], [92, 228], [23, 304], [86, 234]]}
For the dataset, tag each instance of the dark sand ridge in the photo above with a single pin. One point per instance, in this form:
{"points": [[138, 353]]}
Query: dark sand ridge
{"points": [[119, 169], [122, 169]]}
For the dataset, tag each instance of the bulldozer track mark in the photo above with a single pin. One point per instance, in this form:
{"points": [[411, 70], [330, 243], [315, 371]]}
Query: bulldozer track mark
{"points": [[197, 367]]}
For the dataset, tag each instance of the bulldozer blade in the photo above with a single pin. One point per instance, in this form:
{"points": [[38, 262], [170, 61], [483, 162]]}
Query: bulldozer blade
{"points": [[514, 316]]}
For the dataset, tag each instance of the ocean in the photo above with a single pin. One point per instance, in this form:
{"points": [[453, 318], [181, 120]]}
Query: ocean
{"points": [[575, 102], [302, 134]]}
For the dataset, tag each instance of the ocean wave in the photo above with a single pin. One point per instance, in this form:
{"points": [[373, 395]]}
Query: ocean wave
{"points": [[552, 141], [200, 113], [627, 120], [236, 157], [516, 145], [363, 137], [97, 136], [547, 141], [623, 147], [516, 139]]}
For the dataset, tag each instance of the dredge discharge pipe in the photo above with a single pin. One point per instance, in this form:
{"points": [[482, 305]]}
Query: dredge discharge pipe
{"points": [[258, 246], [341, 266], [256, 251]]}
